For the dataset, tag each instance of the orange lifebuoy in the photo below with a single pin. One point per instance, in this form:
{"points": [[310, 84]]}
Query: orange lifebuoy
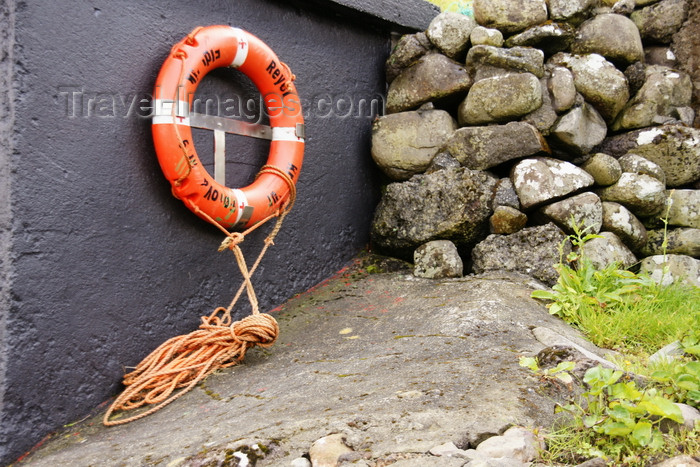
{"points": [[203, 50]]}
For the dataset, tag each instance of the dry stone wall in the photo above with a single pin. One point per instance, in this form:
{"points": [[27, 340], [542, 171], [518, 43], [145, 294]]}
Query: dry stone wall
{"points": [[533, 116]]}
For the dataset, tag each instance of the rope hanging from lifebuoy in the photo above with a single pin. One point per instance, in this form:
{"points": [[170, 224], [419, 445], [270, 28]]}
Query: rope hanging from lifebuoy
{"points": [[180, 363]]}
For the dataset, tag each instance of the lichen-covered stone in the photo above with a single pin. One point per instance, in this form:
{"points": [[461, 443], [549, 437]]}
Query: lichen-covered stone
{"points": [[442, 160], [483, 147], [486, 36], [579, 130], [518, 59], [666, 269], [683, 208], [533, 251], [604, 169], [633, 163], [407, 51], [510, 16], [613, 36], [504, 194], [643, 195], [507, 220], [624, 7], [501, 99], [606, 250], [450, 32], [432, 77], [542, 179], [450, 204], [544, 117], [561, 85], [549, 38], [583, 211], [599, 81], [664, 91], [675, 148], [403, 144], [438, 259], [681, 241], [573, 11], [620, 221], [659, 22]]}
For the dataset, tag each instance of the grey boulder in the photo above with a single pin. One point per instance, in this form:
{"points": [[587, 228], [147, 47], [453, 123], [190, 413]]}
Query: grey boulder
{"points": [[405, 143], [663, 93], [666, 269], [583, 211], [620, 221], [438, 259], [683, 208], [549, 38], [483, 147], [533, 251], [407, 51], [659, 22], [450, 204], [613, 36], [633, 163], [604, 169], [517, 59], [606, 250], [501, 99], [672, 147], [510, 16], [643, 195], [432, 77], [680, 241], [579, 130], [541, 179], [599, 81], [450, 33]]}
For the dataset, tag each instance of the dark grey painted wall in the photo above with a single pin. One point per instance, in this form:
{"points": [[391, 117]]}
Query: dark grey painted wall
{"points": [[99, 264]]}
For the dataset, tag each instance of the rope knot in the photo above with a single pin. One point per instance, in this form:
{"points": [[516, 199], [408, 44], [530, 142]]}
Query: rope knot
{"points": [[261, 329], [233, 239]]}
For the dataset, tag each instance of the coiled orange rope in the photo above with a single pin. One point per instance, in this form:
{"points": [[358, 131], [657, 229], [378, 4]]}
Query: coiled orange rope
{"points": [[180, 363]]}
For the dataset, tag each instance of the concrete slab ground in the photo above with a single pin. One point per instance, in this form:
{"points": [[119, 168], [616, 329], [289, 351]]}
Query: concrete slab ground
{"points": [[397, 363]]}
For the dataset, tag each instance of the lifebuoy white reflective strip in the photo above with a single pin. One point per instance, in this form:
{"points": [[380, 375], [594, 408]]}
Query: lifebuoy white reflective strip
{"points": [[242, 49], [285, 133], [220, 156], [242, 203], [163, 112]]}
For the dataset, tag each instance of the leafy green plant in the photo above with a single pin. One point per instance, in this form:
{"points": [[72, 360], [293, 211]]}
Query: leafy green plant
{"points": [[617, 308], [613, 418], [680, 383], [558, 373], [691, 341]]}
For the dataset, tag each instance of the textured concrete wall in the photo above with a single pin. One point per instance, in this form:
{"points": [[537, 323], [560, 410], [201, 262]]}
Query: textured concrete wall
{"points": [[99, 264], [6, 129]]}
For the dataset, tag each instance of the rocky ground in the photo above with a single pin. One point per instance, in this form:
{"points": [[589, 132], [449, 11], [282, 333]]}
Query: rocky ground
{"points": [[372, 368]]}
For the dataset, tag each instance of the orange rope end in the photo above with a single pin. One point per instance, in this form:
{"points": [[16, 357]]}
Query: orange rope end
{"points": [[182, 362]]}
